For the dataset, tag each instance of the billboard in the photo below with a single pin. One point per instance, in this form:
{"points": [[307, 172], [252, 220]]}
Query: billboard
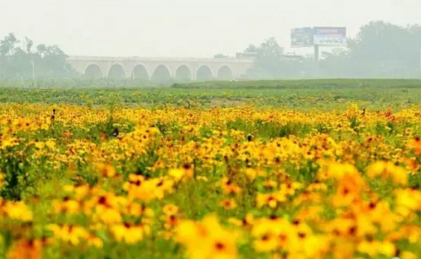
{"points": [[322, 36], [329, 36], [302, 37]]}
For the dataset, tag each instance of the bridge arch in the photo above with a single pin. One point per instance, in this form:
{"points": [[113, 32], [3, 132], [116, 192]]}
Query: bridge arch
{"points": [[183, 73], [225, 73], [93, 70], [204, 73], [139, 72], [117, 71], [161, 74]]}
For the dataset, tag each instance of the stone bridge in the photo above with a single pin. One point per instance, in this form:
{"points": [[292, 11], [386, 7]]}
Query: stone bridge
{"points": [[161, 69]]}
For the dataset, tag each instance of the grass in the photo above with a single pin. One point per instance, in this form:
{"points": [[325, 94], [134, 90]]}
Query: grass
{"points": [[305, 84], [302, 95]]}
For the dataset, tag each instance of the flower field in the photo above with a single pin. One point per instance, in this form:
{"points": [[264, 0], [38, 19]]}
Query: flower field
{"points": [[114, 182]]}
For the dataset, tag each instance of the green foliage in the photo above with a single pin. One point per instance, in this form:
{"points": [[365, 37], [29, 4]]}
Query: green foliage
{"points": [[268, 61], [380, 50], [296, 94], [22, 62], [16, 177], [355, 84]]}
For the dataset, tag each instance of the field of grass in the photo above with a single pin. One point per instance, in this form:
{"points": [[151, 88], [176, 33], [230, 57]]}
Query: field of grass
{"points": [[302, 95], [211, 173], [305, 84]]}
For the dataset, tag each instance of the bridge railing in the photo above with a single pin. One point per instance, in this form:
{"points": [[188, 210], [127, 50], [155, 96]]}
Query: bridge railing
{"points": [[93, 58]]}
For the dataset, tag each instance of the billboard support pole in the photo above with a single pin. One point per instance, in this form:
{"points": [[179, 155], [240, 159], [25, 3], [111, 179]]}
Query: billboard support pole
{"points": [[316, 60], [316, 53]]}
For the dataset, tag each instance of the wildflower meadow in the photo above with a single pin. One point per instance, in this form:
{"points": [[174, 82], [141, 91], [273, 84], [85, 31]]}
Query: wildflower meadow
{"points": [[183, 179]]}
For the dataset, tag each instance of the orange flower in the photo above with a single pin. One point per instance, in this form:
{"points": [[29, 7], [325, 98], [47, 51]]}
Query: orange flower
{"points": [[228, 204], [229, 187], [26, 249]]}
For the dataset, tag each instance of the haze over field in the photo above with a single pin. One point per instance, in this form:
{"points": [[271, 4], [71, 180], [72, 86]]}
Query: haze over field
{"points": [[186, 28], [191, 129]]}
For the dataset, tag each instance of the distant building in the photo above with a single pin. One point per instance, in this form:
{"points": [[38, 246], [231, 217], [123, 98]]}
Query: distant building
{"points": [[292, 56], [248, 55]]}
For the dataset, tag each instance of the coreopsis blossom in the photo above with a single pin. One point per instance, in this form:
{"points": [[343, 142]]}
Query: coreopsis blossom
{"points": [[106, 170], [95, 241], [26, 249], [415, 145], [130, 234], [228, 204], [207, 239], [290, 188], [376, 248], [387, 170], [148, 189], [69, 233], [170, 210], [67, 206], [272, 200], [17, 210], [247, 222], [228, 187]]}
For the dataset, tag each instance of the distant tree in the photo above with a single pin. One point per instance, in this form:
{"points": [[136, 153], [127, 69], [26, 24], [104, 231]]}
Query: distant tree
{"points": [[18, 62], [251, 48], [268, 61], [10, 55], [52, 61], [380, 49], [7, 45], [29, 45], [270, 49], [380, 41], [336, 63]]}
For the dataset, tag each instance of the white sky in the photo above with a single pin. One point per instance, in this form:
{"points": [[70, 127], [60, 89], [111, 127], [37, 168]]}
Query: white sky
{"points": [[186, 28]]}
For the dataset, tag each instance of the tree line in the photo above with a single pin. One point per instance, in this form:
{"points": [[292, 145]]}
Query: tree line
{"points": [[23, 60], [379, 50]]}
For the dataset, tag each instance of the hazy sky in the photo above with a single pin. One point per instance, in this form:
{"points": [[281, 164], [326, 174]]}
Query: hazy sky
{"points": [[186, 28]]}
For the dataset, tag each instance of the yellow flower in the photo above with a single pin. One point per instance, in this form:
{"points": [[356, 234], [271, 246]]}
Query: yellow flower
{"points": [[407, 201], [69, 233], [407, 255], [375, 248], [207, 239], [247, 222], [271, 200], [18, 211], [130, 234], [228, 187], [95, 242], [228, 204], [151, 189], [388, 170], [266, 243], [290, 188], [106, 170], [177, 174], [67, 206], [170, 210]]}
